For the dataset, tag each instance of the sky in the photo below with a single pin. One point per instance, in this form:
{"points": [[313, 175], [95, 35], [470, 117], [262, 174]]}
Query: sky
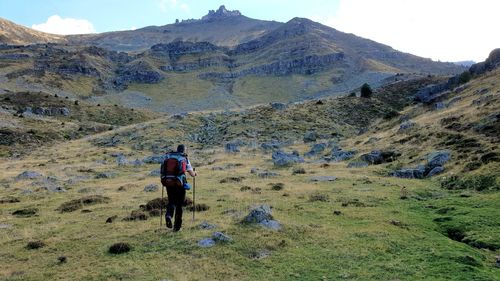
{"points": [[444, 30]]}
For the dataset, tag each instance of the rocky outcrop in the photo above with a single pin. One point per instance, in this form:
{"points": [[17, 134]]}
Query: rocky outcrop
{"points": [[492, 62], [136, 72], [221, 13], [435, 165], [378, 157], [282, 159]]}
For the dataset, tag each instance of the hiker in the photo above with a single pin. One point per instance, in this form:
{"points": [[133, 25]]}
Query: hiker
{"points": [[173, 177]]}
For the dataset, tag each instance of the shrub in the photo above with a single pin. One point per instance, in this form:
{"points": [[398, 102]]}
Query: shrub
{"points": [[366, 91], [464, 77], [119, 248], [476, 182]]}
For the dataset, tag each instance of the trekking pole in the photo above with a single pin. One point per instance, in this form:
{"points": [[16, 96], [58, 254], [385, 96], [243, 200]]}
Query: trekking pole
{"points": [[194, 194], [161, 206]]}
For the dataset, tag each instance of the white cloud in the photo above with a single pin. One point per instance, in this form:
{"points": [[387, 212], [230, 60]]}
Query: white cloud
{"points": [[446, 30], [64, 26], [166, 5]]}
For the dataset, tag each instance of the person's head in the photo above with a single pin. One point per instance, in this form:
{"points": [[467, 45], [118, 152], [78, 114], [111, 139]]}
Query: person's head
{"points": [[181, 148]]}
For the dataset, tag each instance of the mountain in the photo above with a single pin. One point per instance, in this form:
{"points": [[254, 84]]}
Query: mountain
{"points": [[221, 27], [224, 60], [14, 34]]}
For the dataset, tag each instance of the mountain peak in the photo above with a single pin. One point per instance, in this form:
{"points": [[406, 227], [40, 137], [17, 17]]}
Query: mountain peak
{"points": [[221, 13]]}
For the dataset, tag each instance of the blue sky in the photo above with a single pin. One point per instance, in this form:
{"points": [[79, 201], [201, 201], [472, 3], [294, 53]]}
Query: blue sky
{"points": [[446, 30]]}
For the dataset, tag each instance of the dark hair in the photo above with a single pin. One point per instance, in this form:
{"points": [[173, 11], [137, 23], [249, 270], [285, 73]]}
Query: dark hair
{"points": [[181, 148]]}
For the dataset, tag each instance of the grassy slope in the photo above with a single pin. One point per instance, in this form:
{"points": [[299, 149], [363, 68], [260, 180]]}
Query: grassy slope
{"points": [[315, 244]]}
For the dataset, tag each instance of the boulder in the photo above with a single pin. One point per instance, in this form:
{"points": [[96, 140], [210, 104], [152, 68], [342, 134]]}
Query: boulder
{"points": [[221, 237], [206, 225], [151, 188], [316, 149], [267, 174], [415, 173], [232, 147], [282, 159], [439, 105], [322, 178], [206, 243], [278, 106], [270, 224], [436, 170], [357, 165], [310, 136], [378, 157], [437, 158], [28, 175], [259, 214], [341, 155], [407, 125]]}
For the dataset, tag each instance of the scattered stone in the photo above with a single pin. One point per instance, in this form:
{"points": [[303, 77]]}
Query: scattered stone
{"points": [[5, 225], [435, 171], [439, 105], [282, 159], [136, 216], [154, 159], [497, 262], [322, 178], [297, 171], [259, 254], [270, 224], [111, 219], [316, 149], [232, 179], [206, 243], [274, 145], [278, 106], [438, 158], [28, 175], [232, 147], [268, 174], [259, 214], [357, 165], [151, 188], [119, 248], [33, 245], [221, 237], [415, 173], [407, 125], [396, 223], [277, 186], [245, 188], [378, 157], [104, 175], [310, 136], [205, 225], [340, 155], [25, 213]]}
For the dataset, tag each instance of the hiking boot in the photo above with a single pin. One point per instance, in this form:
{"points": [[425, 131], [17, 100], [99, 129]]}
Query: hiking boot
{"points": [[176, 229], [169, 222]]}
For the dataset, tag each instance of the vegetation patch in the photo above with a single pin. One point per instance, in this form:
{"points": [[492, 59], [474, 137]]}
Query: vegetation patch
{"points": [[32, 245], [199, 207], [277, 186], [9, 199], [77, 204], [315, 197], [136, 216], [232, 179], [474, 182], [119, 248], [28, 212]]}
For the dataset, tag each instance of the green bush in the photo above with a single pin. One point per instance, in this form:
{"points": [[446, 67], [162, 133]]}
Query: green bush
{"points": [[476, 182], [464, 77], [366, 91]]}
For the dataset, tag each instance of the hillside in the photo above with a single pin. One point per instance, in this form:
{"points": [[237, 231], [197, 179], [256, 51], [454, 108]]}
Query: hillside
{"points": [[221, 27], [14, 34], [335, 216], [297, 61]]}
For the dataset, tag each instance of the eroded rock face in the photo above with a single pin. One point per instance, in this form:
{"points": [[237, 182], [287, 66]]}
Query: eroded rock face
{"points": [[435, 165]]}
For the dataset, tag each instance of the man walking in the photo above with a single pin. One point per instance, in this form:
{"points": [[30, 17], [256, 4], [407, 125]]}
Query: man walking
{"points": [[173, 177]]}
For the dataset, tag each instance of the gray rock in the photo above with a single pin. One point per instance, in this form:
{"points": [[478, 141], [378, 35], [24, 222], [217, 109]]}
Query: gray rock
{"points": [[278, 106], [453, 101], [221, 237], [267, 174], [436, 170], [254, 170], [271, 224], [260, 254], [28, 175], [316, 149], [154, 159], [415, 173], [232, 147], [259, 214], [54, 188], [5, 225], [378, 157], [206, 225], [206, 243], [357, 165], [151, 188], [155, 173], [282, 159], [322, 178], [104, 175], [341, 155], [310, 136], [438, 158], [273, 145], [407, 125], [439, 105]]}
